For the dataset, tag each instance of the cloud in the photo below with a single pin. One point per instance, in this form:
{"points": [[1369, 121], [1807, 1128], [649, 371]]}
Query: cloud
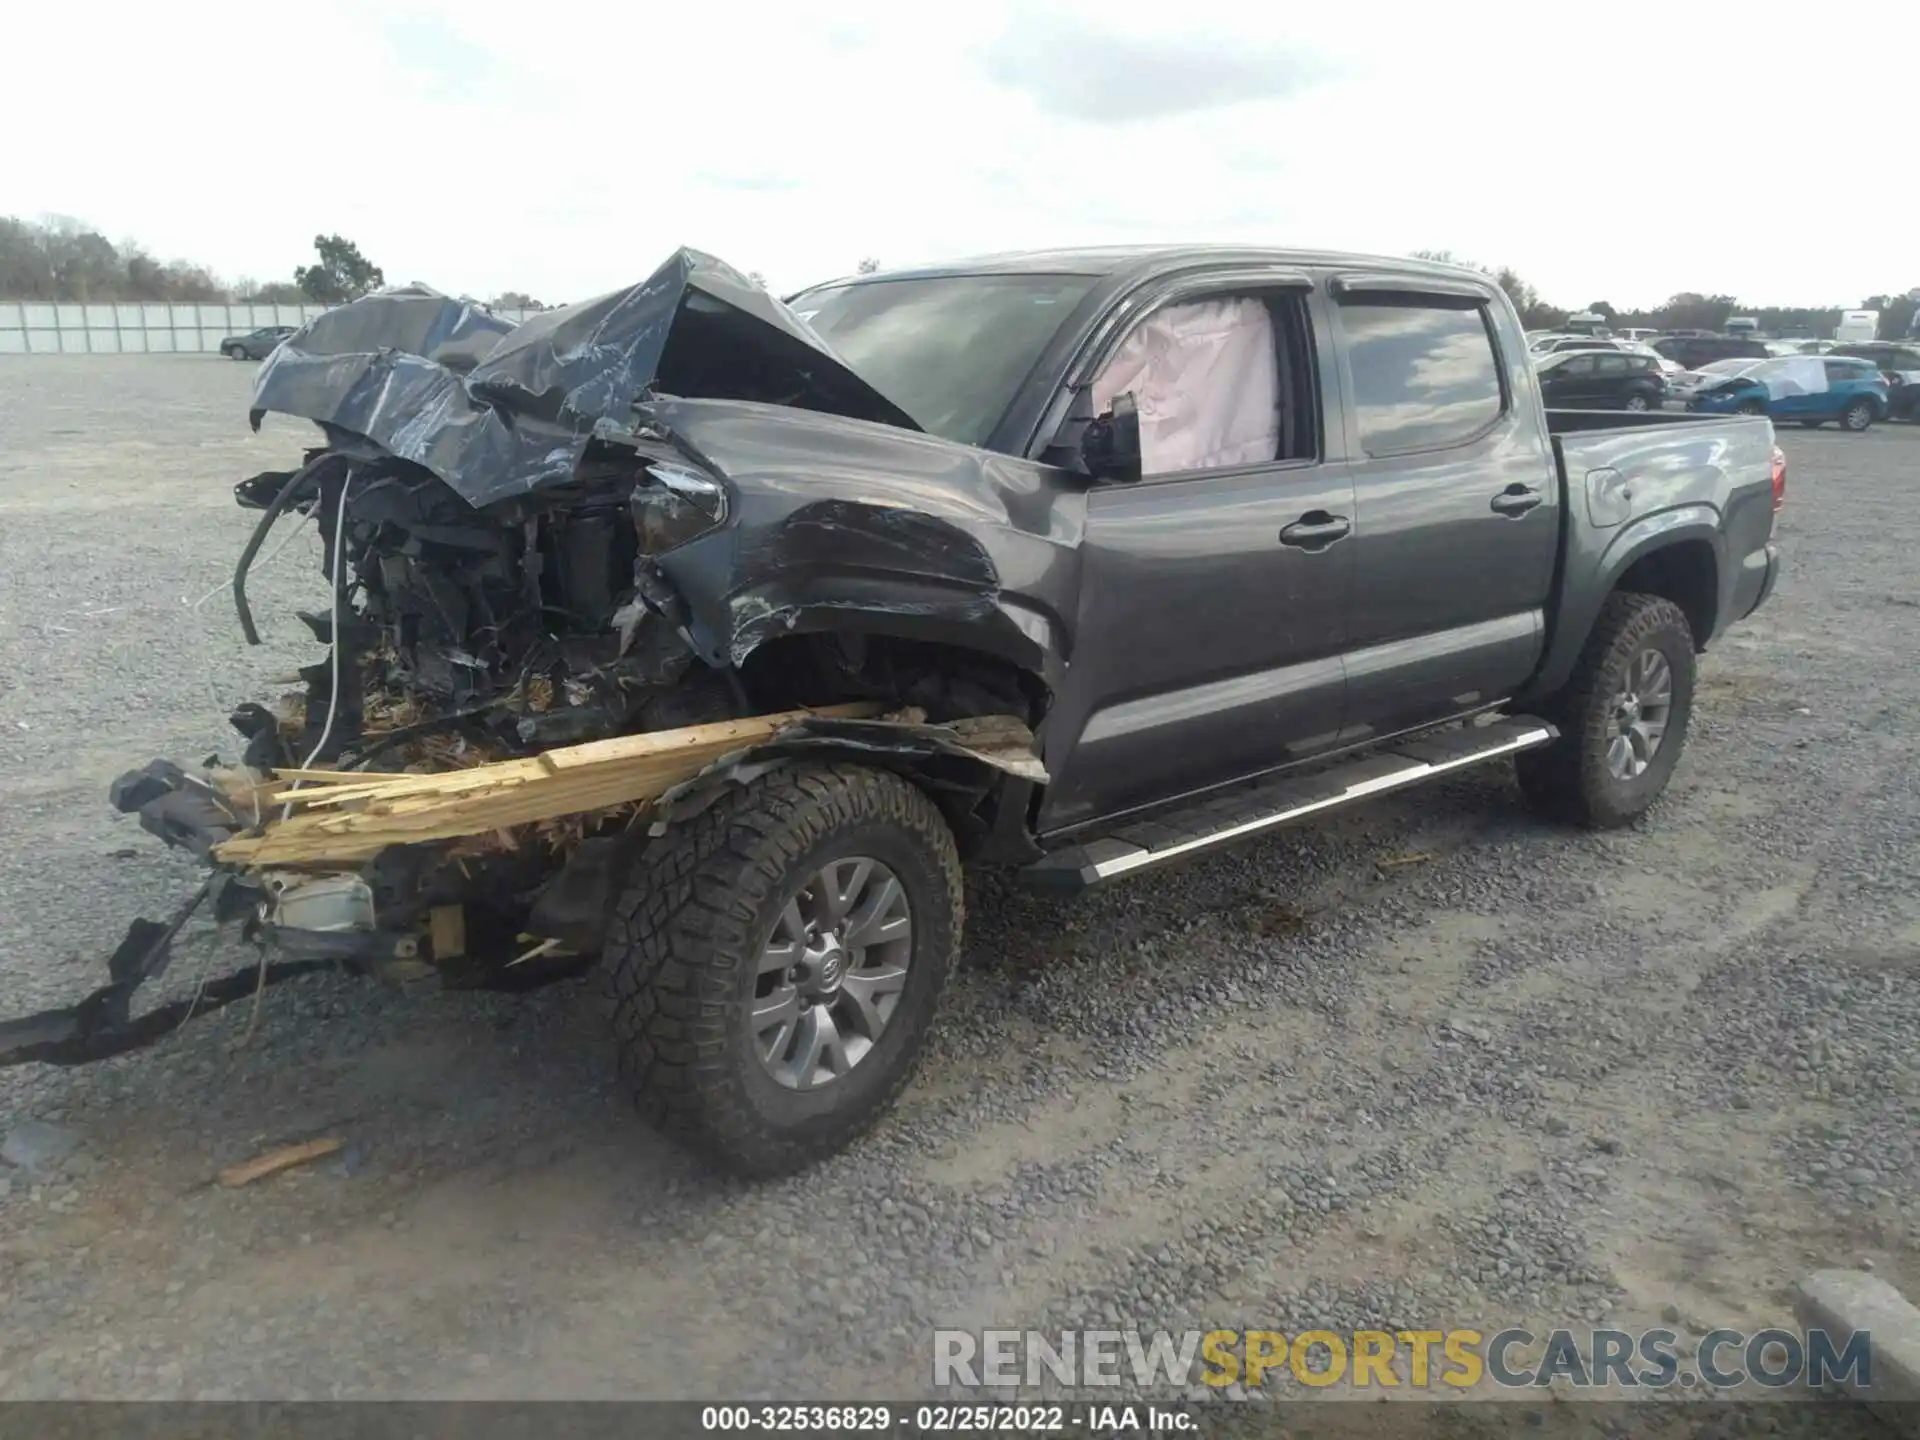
{"points": [[1077, 68], [447, 65]]}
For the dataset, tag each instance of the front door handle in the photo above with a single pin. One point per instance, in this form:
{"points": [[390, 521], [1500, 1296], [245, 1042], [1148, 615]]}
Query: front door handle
{"points": [[1315, 530], [1516, 500]]}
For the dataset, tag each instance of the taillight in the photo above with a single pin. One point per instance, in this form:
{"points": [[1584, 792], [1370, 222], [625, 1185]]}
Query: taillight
{"points": [[1779, 479]]}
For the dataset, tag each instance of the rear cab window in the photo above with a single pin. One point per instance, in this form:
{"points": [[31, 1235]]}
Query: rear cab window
{"points": [[1425, 372]]}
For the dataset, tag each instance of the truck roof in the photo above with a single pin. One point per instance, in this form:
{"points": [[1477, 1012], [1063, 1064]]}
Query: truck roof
{"points": [[1116, 260]]}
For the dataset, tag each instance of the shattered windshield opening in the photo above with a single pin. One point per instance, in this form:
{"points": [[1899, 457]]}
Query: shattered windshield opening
{"points": [[951, 351]]}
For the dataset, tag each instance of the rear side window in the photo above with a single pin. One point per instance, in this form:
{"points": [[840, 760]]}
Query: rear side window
{"points": [[1614, 365], [1850, 370], [1425, 375]]}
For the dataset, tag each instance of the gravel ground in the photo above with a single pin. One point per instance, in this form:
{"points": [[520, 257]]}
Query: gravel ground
{"points": [[1536, 1077]]}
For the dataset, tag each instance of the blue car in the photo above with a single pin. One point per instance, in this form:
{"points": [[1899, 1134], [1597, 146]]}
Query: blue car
{"points": [[1811, 389]]}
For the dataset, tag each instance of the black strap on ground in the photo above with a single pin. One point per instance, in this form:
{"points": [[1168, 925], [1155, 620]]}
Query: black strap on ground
{"points": [[102, 1025]]}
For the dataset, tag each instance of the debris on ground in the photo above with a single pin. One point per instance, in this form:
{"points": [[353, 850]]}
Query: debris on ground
{"points": [[286, 1157], [1396, 862]]}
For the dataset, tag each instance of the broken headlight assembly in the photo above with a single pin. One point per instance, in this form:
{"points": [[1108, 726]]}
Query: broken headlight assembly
{"points": [[675, 505]]}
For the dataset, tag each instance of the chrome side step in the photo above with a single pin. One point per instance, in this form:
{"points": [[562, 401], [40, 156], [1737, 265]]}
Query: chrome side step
{"points": [[1145, 844]]}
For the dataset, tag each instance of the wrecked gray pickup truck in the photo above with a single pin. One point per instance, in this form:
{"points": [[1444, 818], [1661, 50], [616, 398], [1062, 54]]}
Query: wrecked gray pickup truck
{"points": [[1081, 563]]}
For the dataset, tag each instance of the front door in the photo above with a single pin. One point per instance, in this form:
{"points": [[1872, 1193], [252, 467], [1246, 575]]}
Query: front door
{"points": [[1459, 508], [1214, 597]]}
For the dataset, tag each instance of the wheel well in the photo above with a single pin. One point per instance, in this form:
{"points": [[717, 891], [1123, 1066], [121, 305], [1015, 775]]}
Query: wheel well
{"points": [[1685, 573], [947, 681], [989, 810]]}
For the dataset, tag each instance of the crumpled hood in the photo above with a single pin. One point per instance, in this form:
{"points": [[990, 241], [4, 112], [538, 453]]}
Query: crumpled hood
{"points": [[497, 410]]}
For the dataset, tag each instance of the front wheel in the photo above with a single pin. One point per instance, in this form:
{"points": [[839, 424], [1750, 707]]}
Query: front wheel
{"points": [[1750, 407], [1622, 717], [235, 352], [1857, 416], [776, 961]]}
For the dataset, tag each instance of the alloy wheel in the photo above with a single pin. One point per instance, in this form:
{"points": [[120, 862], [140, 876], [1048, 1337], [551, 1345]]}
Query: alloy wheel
{"points": [[831, 973], [1639, 715]]}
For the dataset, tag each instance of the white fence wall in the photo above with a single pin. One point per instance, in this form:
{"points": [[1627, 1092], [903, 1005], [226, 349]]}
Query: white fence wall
{"points": [[29, 327]]}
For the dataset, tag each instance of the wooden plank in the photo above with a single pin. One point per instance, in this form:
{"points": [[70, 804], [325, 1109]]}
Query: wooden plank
{"points": [[274, 1161], [726, 733]]}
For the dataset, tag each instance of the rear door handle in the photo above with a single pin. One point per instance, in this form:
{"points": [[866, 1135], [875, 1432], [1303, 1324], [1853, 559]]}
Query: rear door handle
{"points": [[1516, 500], [1315, 530]]}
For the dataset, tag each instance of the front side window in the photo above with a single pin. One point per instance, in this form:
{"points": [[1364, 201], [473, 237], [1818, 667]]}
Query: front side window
{"points": [[1425, 374], [1220, 382]]}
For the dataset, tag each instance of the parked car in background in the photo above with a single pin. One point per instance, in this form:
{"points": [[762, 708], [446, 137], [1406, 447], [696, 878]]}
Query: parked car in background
{"points": [[1672, 370], [1900, 366], [1634, 335], [1696, 352], [1601, 380], [1679, 387], [1575, 342], [256, 344], [1808, 389]]}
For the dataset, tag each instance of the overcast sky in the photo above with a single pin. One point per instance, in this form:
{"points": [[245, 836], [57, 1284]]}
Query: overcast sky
{"points": [[565, 147]]}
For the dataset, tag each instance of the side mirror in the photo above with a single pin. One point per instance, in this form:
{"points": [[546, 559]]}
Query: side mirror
{"points": [[1110, 449]]}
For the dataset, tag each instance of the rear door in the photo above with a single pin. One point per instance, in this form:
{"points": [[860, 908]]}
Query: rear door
{"points": [[1215, 601], [1573, 384], [1458, 503], [1611, 376]]}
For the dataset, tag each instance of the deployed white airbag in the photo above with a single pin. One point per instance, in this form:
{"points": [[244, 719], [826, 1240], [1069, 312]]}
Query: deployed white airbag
{"points": [[1207, 383]]}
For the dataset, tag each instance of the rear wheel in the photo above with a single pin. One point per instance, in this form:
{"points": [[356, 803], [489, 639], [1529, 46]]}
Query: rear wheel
{"points": [[776, 962], [1857, 416], [1638, 403], [1622, 717]]}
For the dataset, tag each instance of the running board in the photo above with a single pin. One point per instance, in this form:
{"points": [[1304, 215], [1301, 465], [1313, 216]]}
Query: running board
{"points": [[1146, 843]]}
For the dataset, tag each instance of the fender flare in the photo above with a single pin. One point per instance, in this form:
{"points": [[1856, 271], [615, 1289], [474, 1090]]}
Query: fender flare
{"points": [[1567, 630]]}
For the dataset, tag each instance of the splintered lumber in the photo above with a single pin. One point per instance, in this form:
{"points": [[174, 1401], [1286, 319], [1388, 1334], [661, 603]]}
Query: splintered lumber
{"points": [[352, 816]]}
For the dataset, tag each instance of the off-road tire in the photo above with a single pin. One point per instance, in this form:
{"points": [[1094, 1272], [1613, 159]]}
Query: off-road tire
{"points": [[685, 940], [1569, 779]]}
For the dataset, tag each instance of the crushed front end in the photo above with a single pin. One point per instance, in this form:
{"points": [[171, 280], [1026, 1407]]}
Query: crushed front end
{"points": [[494, 502]]}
